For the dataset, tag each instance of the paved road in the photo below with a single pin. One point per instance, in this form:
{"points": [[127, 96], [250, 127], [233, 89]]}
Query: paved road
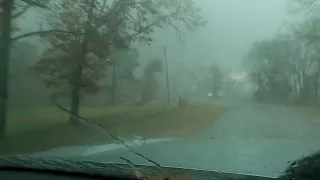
{"points": [[250, 139]]}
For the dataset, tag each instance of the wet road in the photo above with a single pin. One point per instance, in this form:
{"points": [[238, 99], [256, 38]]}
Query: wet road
{"points": [[250, 139]]}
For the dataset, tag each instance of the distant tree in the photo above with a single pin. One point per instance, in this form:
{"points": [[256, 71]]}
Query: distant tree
{"points": [[307, 34], [216, 78], [128, 62], [289, 65], [271, 70], [124, 64], [151, 83], [286, 68], [24, 55], [22, 79]]}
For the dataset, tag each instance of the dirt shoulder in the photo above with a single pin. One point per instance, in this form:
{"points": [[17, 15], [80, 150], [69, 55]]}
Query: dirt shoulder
{"points": [[39, 131]]}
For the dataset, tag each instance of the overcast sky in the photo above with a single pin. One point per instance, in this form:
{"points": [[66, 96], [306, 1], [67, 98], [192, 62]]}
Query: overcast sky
{"points": [[233, 26]]}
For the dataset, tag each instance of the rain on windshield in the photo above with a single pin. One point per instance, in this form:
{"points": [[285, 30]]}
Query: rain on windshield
{"points": [[229, 85]]}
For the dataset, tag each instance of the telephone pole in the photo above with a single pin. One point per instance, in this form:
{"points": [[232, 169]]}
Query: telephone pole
{"points": [[167, 74]]}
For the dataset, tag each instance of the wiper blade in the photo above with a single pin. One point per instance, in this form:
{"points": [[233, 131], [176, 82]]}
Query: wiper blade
{"points": [[98, 127]]}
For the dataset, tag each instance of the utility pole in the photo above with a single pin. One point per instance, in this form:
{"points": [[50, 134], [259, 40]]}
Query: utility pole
{"points": [[114, 84], [167, 74]]}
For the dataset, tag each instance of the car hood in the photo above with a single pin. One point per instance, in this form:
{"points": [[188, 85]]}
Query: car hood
{"points": [[251, 156]]}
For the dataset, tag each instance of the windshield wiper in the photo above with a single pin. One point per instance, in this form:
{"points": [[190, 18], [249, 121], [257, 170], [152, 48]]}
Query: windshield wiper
{"points": [[100, 128]]}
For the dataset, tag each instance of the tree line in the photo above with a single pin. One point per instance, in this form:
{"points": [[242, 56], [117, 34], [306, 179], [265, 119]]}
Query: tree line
{"points": [[286, 67]]}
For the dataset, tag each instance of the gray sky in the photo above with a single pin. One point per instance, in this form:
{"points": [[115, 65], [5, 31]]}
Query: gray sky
{"points": [[233, 26]]}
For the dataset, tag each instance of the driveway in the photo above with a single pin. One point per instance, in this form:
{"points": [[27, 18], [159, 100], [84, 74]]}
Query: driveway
{"points": [[249, 139]]}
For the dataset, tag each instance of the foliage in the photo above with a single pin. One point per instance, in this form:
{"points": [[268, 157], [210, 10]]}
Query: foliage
{"points": [[270, 73], [286, 68], [22, 79], [56, 69], [99, 27], [151, 84], [126, 61], [124, 81], [217, 78]]}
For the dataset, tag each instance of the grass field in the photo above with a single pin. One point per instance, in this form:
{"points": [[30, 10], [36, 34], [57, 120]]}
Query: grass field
{"points": [[36, 129]]}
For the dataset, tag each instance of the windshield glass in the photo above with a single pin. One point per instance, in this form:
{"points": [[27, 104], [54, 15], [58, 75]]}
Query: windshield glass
{"points": [[218, 85]]}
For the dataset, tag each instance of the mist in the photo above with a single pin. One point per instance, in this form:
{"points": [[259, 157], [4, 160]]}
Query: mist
{"points": [[232, 27]]}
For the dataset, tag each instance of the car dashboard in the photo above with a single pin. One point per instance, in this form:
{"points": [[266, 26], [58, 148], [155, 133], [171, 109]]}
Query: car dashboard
{"points": [[51, 169]]}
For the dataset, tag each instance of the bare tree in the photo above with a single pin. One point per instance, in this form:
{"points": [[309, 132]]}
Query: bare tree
{"points": [[290, 57], [217, 78], [151, 83]]}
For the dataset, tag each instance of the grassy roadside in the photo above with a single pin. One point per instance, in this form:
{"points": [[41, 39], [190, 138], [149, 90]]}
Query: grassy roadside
{"points": [[32, 130]]}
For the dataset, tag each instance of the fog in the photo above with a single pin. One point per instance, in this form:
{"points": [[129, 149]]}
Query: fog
{"points": [[233, 26], [231, 29], [238, 89]]}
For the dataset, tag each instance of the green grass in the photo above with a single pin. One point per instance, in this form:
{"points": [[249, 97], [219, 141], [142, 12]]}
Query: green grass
{"points": [[27, 119], [36, 129], [24, 120]]}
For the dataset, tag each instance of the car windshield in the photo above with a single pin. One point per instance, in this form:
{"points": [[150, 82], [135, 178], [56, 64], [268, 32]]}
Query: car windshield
{"points": [[218, 85]]}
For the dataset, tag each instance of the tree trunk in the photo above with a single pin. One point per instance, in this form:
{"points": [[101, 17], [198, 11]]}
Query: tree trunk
{"points": [[316, 84], [296, 88], [75, 97], [77, 84], [77, 79], [316, 88], [316, 93], [4, 64], [114, 86]]}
